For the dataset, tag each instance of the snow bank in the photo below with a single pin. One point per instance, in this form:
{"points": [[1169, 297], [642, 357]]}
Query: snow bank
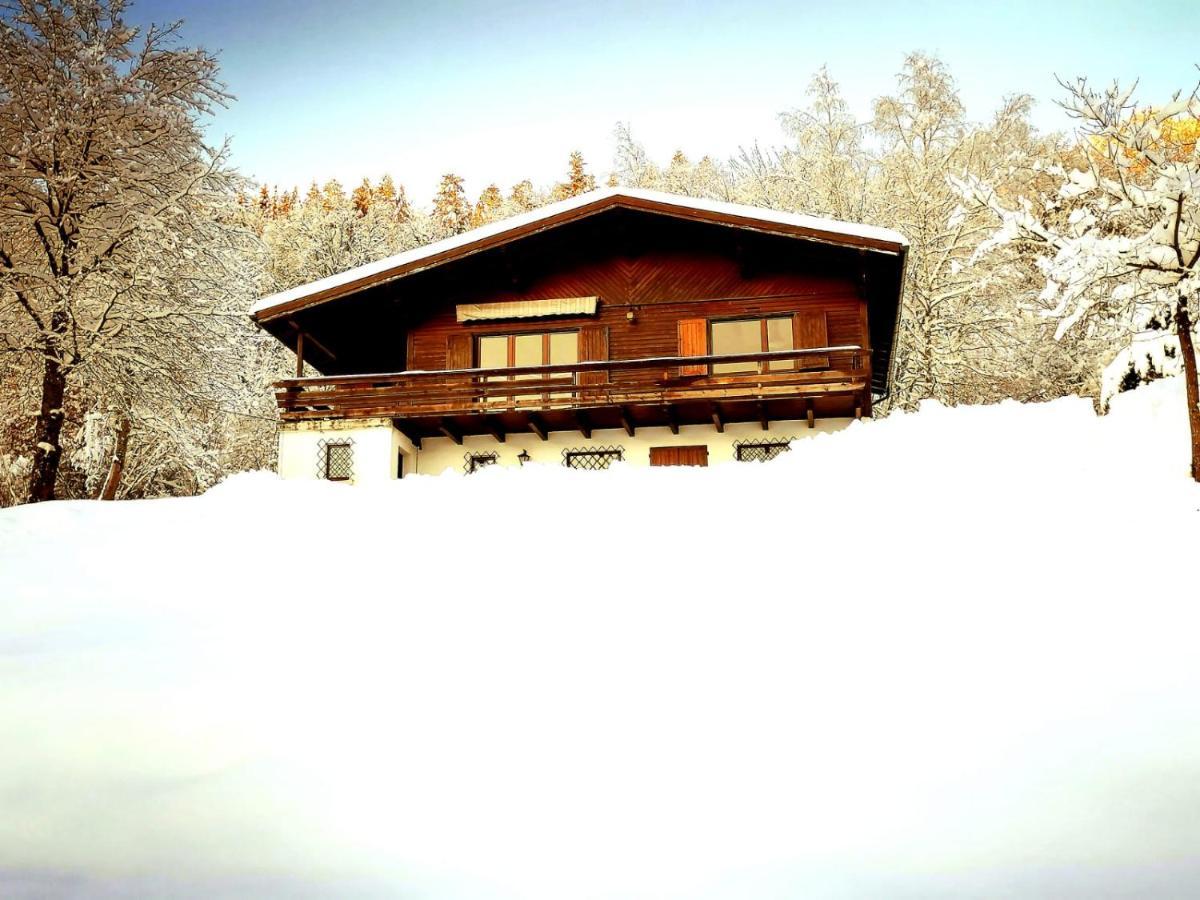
{"points": [[947, 654]]}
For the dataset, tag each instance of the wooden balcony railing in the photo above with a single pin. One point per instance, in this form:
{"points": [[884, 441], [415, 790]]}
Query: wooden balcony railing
{"points": [[580, 385]]}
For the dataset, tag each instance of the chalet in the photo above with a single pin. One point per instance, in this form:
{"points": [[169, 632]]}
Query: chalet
{"points": [[617, 325]]}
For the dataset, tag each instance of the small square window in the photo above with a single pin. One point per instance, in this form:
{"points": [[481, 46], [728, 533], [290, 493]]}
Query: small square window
{"points": [[335, 460]]}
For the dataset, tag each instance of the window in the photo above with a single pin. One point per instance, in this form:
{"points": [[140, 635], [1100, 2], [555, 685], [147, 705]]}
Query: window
{"points": [[499, 351], [473, 462], [335, 460], [592, 457], [760, 451], [751, 336]]}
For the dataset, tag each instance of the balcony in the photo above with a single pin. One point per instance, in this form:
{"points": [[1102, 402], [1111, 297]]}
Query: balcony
{"points": [[626, 393]]}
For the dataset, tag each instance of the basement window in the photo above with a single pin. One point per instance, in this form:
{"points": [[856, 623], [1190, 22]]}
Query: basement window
{"points": [[335, 460], [590, 458], [473, 462], [760, 451]]}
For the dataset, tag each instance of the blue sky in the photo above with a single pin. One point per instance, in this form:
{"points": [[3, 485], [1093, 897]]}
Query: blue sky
{"points": [[499, 91]]}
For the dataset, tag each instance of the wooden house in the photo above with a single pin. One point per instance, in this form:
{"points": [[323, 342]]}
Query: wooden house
{"points": [[621, 324]]}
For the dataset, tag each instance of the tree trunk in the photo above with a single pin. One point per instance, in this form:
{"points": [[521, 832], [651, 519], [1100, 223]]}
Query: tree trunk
{"points": [[117, 467], [47, 428], [1183, 325]]}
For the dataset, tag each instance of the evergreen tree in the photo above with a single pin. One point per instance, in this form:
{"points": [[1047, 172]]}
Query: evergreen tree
{"points": [[451, 210], [362, 197], [489, 207], [578, 180], [332, 195], [522, 196]]}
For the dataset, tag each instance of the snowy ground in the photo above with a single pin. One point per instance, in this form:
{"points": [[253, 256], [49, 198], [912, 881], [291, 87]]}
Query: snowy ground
{"points": [[950, 654]]}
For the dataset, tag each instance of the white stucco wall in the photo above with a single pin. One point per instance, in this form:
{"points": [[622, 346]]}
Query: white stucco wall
{"points": [[377, 445]]}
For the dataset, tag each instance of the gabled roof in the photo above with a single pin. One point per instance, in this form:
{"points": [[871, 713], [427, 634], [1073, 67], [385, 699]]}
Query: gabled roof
{"points": [[829, 231]]}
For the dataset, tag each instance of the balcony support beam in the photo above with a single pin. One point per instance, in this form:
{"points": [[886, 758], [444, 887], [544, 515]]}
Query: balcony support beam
{"points": [[583, 424], [672, 421], [627, 422], [717, 420], [537, 426], [446, 427], [494, 429]]}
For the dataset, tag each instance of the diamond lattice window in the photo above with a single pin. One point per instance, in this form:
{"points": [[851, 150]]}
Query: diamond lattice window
{"points": [[473, 462], [760, 451], [592, 458], [335, 459]]}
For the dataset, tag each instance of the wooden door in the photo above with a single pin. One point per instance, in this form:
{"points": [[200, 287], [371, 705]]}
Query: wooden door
{"points": [[679, 456]]}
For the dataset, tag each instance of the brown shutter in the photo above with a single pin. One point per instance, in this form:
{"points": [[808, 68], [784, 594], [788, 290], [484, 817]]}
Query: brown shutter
{"points": [[593, 345], [458, 351], [693, 341], [809, 329], [679, 456]]}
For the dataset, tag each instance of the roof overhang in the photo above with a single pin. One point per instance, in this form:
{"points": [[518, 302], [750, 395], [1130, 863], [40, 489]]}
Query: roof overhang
{"points": [[828, 231]]}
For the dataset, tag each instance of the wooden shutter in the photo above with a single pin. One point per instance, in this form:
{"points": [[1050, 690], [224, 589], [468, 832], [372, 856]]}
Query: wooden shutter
{"points": [[458, 351], [693, 341], [679, 456], [593, 345], [809, 329]]}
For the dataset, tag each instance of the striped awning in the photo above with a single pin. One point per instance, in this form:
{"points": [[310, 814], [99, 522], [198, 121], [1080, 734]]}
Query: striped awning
{"points": [[527, 309]]}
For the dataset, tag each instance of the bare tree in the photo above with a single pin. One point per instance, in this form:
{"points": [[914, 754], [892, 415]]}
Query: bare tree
{"points": [[103, 174]]}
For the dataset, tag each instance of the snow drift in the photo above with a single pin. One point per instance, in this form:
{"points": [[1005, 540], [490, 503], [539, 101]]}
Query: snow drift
{"points": [[946, 654]]}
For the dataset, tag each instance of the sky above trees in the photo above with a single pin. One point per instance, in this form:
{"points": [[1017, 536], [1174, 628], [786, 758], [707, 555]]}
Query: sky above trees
{"points": [[501, 91]]}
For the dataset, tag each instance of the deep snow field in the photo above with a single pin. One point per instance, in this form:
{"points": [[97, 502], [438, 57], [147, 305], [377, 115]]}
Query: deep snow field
{"points": [[948, 654]]}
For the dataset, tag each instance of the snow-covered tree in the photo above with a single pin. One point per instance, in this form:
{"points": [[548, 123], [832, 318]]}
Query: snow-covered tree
{"points": [[828, 153], [104, 179], [957, 326], [523, 197], [632, 165], [578, 180], [451, 210], [489, 207], [1129, 249]]}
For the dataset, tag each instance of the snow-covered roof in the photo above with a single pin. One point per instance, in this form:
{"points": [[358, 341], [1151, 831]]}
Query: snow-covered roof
{"points": [[868, 237]]}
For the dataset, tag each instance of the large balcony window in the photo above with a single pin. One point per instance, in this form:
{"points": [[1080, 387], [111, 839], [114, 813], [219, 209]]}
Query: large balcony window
{"points": [[751, 336], [501, 351]]}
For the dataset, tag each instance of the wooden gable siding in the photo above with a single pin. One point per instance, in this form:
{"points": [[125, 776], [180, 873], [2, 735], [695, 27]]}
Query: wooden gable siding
{"points": [[660, 289]]}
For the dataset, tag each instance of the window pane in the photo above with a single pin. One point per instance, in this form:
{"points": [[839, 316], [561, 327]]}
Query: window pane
{"points": [[528, 350], [493, 352], [779, 337], [564, 347], [743, 336]]}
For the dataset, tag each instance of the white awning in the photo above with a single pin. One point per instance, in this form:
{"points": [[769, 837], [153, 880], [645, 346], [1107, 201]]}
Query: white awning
{"points": [[527, 309]]}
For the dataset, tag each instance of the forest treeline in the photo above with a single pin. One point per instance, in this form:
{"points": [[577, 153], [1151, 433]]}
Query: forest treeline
{"points": [[129, 366]]}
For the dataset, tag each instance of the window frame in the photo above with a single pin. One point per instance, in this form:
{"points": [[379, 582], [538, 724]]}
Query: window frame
{"points": [[612, 454], [511, 348], [762, 367], [325, 449], [778, 445], [473, 462]]}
